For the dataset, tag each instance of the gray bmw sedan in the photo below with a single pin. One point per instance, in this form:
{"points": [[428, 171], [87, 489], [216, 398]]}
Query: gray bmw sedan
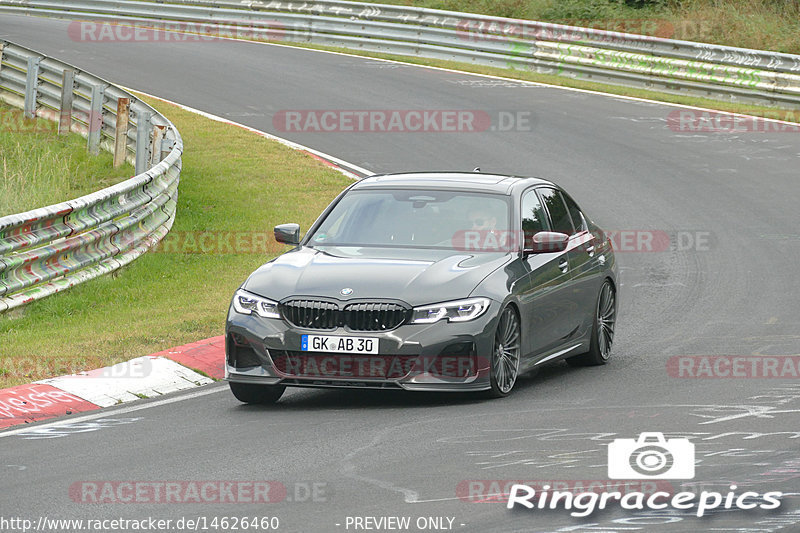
{"points": [[439, 281]]}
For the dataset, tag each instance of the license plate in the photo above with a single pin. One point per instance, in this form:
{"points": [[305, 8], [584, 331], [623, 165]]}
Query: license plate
{"points": [[339, 344]]}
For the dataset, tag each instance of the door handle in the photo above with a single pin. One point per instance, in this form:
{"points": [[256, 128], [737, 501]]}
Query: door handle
{"points": [[590, 250], [563, 265]]}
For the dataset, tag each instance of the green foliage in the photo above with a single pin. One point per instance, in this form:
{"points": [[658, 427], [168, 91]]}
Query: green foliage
{"points": [[39, 167], [581, 9], [641, 4]]}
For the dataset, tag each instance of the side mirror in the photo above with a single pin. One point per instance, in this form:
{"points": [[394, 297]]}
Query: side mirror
{"points": [[287, 233], [547, 242]]}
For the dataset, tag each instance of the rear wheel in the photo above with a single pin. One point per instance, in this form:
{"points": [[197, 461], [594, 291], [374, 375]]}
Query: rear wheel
{"points": [[257, 394], [605, 319], [505, 354]]}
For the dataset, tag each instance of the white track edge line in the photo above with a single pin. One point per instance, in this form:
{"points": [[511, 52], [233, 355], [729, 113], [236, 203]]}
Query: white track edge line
{"points": [[105, 412], [342, 164]]}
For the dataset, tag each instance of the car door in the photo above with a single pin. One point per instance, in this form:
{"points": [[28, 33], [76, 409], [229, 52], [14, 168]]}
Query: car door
{"points": [[568, 304], [584, 265], [543, 301]]}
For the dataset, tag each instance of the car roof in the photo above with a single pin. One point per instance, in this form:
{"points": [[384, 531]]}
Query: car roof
{"points": [[472, 181]]}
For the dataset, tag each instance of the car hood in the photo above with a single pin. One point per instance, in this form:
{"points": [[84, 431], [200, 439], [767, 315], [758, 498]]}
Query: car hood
{"points": [[414, 276]]}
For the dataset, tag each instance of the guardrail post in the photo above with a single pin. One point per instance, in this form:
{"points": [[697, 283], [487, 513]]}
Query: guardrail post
{"points": [[95, 122], [166, 146], [143, 117], [121, 131], [31, 87], [155, 148], [65, 113]]}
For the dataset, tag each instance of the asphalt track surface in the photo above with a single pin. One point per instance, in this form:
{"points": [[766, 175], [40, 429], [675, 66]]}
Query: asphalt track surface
{"points": [[388, 454]]}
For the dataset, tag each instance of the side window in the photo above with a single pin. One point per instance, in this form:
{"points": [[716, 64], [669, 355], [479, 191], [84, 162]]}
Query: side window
{"points": [[559, 216], [578, 220], [534, 218]]}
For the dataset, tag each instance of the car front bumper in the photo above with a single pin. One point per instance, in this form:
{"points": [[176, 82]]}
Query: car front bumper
{"points": [[443, 356]]}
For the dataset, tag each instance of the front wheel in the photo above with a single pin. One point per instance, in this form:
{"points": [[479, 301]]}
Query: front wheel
{"points": [[257, 394], [505, 354], [605, 319]]}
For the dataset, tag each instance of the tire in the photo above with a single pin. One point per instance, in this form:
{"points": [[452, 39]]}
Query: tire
{"points": [[605, 318], [505, 354], [257, 394]]}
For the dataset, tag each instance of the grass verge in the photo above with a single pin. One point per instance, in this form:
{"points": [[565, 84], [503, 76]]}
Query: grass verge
{"points": [[39, 167], [234, 186]]}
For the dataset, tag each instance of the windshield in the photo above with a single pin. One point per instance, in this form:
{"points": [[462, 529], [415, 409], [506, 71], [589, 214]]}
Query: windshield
{"points": [[411, 218]]}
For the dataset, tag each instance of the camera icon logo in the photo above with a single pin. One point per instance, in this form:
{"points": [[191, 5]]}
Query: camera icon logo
{"points": [[651, 457]]}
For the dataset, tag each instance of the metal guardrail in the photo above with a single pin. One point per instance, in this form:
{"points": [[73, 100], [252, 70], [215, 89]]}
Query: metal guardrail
{"points": [[698, 69], [52, 248]]}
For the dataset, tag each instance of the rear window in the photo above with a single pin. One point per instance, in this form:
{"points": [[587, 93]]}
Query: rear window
{"points": [[559, 216]]}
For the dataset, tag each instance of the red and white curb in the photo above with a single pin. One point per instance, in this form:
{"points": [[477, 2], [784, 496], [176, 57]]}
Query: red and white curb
{"points": [[188, 366]]}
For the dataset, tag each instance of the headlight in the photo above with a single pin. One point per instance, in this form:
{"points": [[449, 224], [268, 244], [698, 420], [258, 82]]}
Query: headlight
{"points": [[458, 311], [246, 303]]}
